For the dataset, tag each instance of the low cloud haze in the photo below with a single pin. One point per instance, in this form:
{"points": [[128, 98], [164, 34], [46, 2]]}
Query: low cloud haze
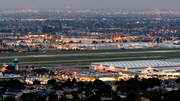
{"points": [[90, 4]]}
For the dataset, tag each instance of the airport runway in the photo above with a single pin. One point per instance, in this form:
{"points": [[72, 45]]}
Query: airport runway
{"points": [[89, 54], [61, 61]]}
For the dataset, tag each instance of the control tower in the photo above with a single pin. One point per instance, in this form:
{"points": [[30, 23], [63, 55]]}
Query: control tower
{"points": [[16, 64]]}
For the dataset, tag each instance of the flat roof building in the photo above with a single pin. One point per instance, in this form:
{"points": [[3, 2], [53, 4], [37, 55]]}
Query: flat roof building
{"points": [[141, 67]]}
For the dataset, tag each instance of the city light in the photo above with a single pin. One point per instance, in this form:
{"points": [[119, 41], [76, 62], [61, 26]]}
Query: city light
{"points": [[149, 68]]}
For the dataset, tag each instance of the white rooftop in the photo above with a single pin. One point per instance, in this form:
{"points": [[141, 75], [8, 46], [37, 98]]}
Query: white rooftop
{"points": [[115, 43], [136, 64], [8, 75]]}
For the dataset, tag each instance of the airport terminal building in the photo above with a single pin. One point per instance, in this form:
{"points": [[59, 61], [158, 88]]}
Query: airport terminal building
{"points": [[159, 68]]}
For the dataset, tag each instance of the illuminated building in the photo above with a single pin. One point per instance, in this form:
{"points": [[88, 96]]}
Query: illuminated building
{"points": [[4, 67], [92, 75]]}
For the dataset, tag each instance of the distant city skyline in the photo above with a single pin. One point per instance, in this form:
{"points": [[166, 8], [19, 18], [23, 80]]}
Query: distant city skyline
{"points": [[90, 4]]}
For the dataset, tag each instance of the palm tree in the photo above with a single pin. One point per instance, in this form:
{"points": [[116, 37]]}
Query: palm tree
{"points": [[26, 67]]}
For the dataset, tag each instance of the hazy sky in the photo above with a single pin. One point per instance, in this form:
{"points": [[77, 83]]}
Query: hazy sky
{"points": [[90, 4]]}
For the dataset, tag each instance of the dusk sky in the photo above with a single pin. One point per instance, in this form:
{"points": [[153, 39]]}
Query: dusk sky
{"points": [[90, 4]]}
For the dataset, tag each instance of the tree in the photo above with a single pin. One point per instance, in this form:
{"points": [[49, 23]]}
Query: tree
{"points": [[94, 98], [104, 89], [26, 67], [96, 82], [172, 96], [153, 97], [114, 93], [125, 87], [41, 98], [133, 81], [41, 71], [132, 95], [94, 42], [74, 80], [16, 84], [75, 96], [63, 98], [56, 87], [68, 80], [155, 81], [144, 84], [178, 80], [52, 81], [87, 92], [28, 97], [71, 42], [9, 99], [80, 83], [52, 97], [116, 98], [136, 76]]}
